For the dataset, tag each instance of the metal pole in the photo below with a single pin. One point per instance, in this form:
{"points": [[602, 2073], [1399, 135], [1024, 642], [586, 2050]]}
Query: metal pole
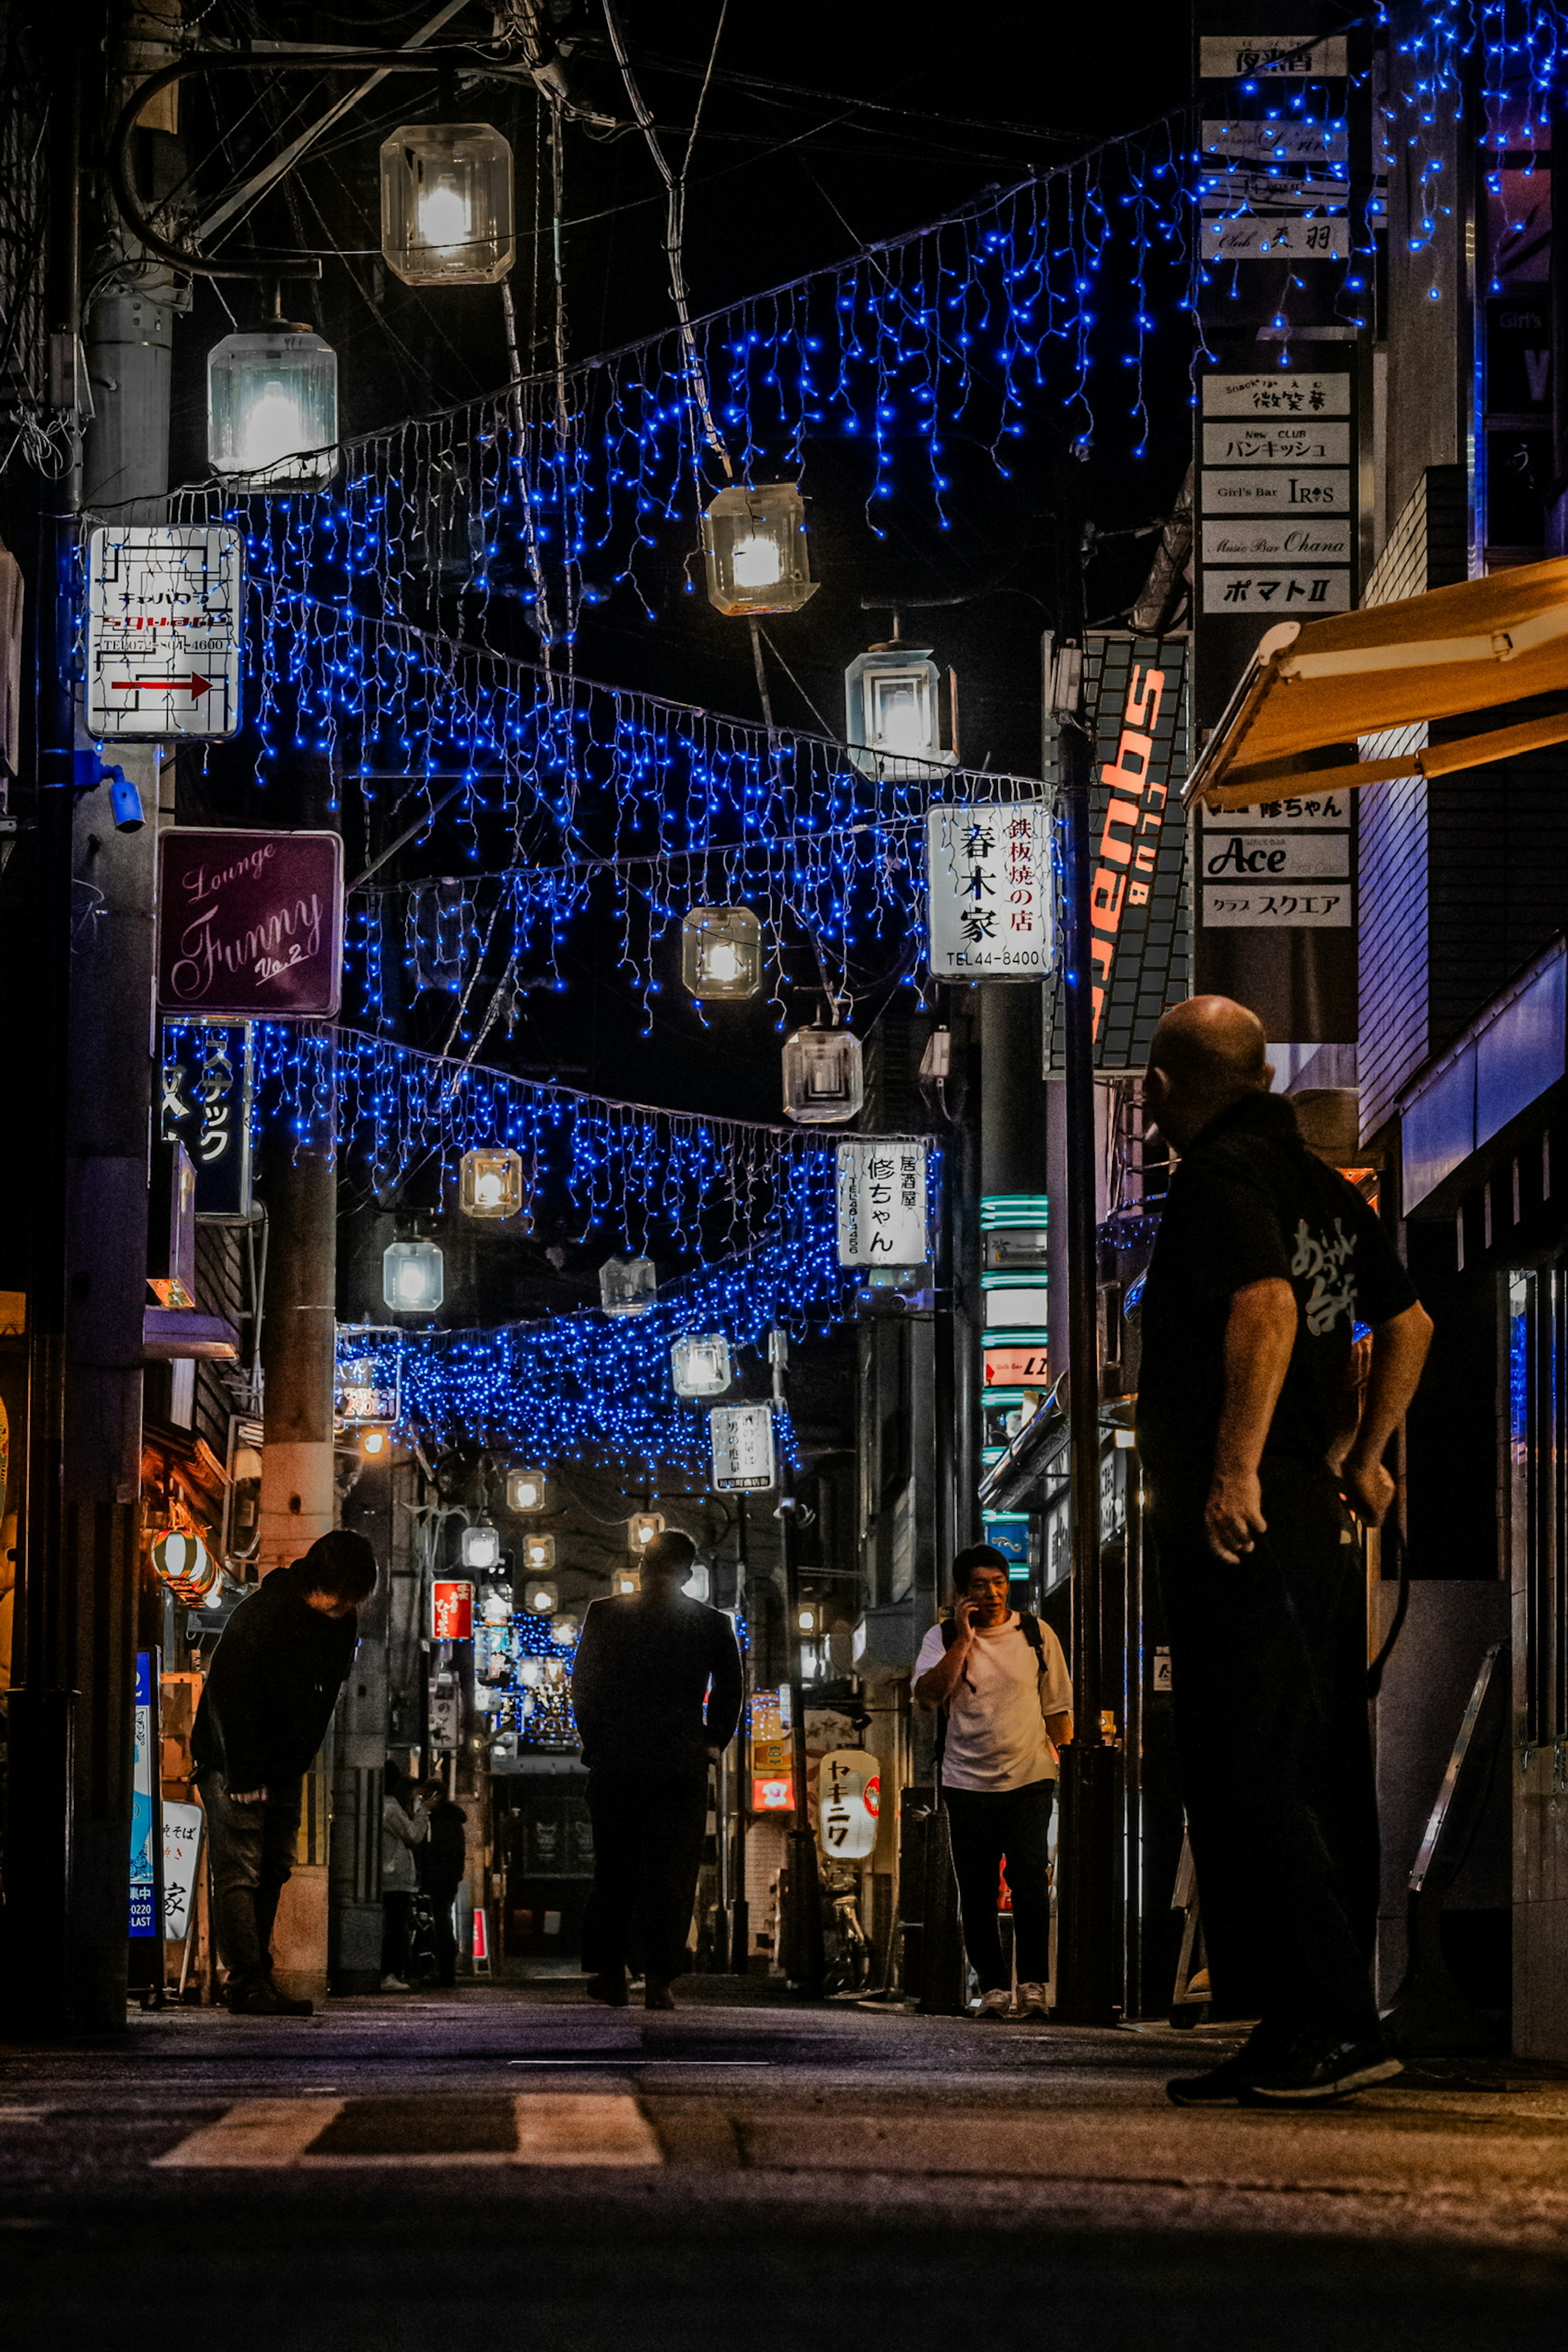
{"points": [[740, 1909], [803, 1942], [1086, 1972]]}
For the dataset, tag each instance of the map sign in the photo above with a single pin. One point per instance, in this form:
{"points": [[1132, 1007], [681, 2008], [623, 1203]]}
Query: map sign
{"points": [[164, 618]]}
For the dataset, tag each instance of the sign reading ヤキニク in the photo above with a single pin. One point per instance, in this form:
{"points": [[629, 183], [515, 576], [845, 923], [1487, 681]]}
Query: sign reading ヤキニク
{"points": [[882, 1205], [250, 925], [162, 631]]}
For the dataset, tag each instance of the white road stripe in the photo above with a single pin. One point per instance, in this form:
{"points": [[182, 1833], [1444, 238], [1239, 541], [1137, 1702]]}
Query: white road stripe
{"points": [[268, 2132], [606, 2128], [603, 2128]]}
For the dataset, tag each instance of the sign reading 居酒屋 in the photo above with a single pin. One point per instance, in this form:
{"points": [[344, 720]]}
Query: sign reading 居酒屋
{"points": [[882, 1205], [250, 925]]}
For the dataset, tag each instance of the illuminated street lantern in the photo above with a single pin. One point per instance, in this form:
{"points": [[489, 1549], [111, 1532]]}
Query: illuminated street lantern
{"points": [[641, 1529], [701, 1366], [627, 1286], [496, 1607], [721, 953], [489, 1184], [182, 1561], [564, 1631], [539, 1600], [892, 713], [375, 1442], [823, 1082], [412, 1277], [479, 1547], [272, 409], [754, 543], [698, 1582], [446, 204], [526, 1490], [625, 1582], [538, 1555]]}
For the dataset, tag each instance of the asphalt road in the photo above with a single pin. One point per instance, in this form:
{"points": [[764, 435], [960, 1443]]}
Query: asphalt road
{"points": [[514, 2166]]}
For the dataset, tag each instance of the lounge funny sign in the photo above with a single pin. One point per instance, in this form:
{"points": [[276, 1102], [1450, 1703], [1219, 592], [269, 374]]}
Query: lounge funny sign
{"points": [[250, 925]]}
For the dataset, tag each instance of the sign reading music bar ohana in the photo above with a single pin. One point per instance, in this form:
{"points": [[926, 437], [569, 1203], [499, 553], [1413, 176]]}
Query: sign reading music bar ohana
{"points": [[250, 925]]}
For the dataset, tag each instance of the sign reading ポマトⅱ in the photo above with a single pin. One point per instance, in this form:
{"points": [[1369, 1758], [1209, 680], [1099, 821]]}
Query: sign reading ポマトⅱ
{"points": [[250, 925]]}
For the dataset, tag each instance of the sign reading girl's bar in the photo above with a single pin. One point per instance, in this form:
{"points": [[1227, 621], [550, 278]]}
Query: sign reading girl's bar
{"points": [[250, 925]]}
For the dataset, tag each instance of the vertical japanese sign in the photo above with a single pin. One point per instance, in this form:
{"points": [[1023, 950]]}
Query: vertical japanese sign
{"points": [[741, 1438], [143, 1810], [882, 1210], [162, 653], [207, 1087], [451, 1609], [991, 890], [1135, 698], [848, 1796]]}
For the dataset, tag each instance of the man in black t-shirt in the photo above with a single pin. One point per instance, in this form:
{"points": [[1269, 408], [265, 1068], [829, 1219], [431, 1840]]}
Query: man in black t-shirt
{"points": [[1267, 1263]]}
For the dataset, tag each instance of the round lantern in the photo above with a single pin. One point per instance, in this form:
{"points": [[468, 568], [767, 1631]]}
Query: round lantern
{"points": [[183, 1562]]}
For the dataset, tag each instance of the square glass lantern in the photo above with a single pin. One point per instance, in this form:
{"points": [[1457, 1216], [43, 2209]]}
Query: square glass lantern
{"points": [[412, 1277], [272, 409], [538, 1554], [479, 1547], [823, 1080], [754, 541], [446, 204], [627, 1286], [625, 1581], [526, 1490], [721, 953], [892, 711], [642, 1528], [540, 1600], [701, 1365], [489, 1184]]}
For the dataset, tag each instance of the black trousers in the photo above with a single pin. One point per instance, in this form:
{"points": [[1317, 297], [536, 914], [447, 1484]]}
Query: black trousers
{"points": [[396, 1926], [986, 1825], [648, 1829], [1268, 1691], [443, 1895], [251, 1850]]}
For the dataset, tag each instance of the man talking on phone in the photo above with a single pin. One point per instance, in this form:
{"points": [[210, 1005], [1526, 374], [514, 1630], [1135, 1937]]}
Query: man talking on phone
{"points": [[1267, 1266]]}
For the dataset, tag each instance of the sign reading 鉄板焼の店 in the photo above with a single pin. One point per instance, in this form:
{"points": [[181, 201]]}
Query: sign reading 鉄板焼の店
{"points": [[250, 925]]}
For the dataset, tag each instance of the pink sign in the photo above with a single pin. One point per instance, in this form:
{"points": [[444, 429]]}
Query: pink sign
{"points": [[250, 925]]}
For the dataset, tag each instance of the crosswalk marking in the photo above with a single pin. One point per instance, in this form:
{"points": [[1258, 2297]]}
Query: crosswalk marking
{"points": [[606, 2128]]}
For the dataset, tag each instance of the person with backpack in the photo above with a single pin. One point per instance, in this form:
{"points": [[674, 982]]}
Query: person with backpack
{"points": [[1000, 1681]]}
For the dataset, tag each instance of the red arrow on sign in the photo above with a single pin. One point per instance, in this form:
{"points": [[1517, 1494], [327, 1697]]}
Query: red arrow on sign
{"points": [[195, 686]]}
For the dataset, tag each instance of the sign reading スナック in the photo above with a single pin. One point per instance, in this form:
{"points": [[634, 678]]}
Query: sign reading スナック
{"points": [[250, 925], [992, 895], [1136, 702], [741, 1437], [849, 1798], [162, 631], [205, 1106], [882, 1205]]}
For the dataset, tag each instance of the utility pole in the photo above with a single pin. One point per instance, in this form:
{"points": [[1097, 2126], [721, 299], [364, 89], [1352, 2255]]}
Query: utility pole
{"points": [[1086, 1940], [740, 1909], [804, 1958]]}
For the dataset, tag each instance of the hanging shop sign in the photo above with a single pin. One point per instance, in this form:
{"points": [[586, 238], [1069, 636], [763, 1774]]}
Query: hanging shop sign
{"points": [[162, 653], [882, 1218], [848, 1799], [992, 893], [143, 1808], [250, 925], [741, 1437], [206, 1076], [183, 1827], [451, 1609], [1135, 704], [772, 1780]]}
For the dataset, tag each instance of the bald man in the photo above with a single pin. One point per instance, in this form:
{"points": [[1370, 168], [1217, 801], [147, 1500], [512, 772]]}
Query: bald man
{"points": [[1267, 1264]]}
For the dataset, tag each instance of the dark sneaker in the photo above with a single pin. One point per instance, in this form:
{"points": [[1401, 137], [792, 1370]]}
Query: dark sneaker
{"points": [[285, 2005], [255, 2001], [656, 1995], [610, 1988], [1222, 2086], [1312, 2074]]}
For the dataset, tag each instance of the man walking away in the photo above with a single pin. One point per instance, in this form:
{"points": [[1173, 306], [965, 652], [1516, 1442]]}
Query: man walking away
{"points": [[657, 1687], [270, 1694], [1265, 1263], [405, 1823], [1000, 1680], [443, 1861]]}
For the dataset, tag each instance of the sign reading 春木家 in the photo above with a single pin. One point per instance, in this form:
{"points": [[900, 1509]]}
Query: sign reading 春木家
{"points": [[162, 630], [882, 1205], [250, 925], [991, 889]]}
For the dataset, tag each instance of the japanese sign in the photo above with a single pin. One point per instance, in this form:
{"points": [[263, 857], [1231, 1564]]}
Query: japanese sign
{"points": [[1230, 57], [183, 1827], [741, 1437], [162, 630], [1284, 866], [848, 1799], [205, 1106], [1136, 702], [992, 891], [772, 1780], [1276, 461], [250, 925], [882, 1205], [143, 1795], [451, 1609]]}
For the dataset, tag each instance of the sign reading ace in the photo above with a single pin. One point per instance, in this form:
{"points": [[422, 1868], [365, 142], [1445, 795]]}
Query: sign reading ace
{"points": [[250, 925]]}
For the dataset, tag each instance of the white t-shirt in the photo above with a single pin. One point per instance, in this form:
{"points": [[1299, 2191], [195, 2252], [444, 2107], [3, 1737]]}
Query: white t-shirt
{"points": [[995, 1717]]}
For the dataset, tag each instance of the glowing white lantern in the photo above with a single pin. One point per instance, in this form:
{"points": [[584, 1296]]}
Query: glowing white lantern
{"points": [[479, 1547], [625, 1581], [526, 1490], [539, 1600], [721, 953], [272, 409], [446, 204], [182, 1561], [412, 1277], [496, 1608], [563, 1629], [539, 1555], [627, 1286], [754, 541], [823, 1081], [489, 1184], [849, 1802], [701, 1366], [530, 1672], [892, 714], [641, 1529]]}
